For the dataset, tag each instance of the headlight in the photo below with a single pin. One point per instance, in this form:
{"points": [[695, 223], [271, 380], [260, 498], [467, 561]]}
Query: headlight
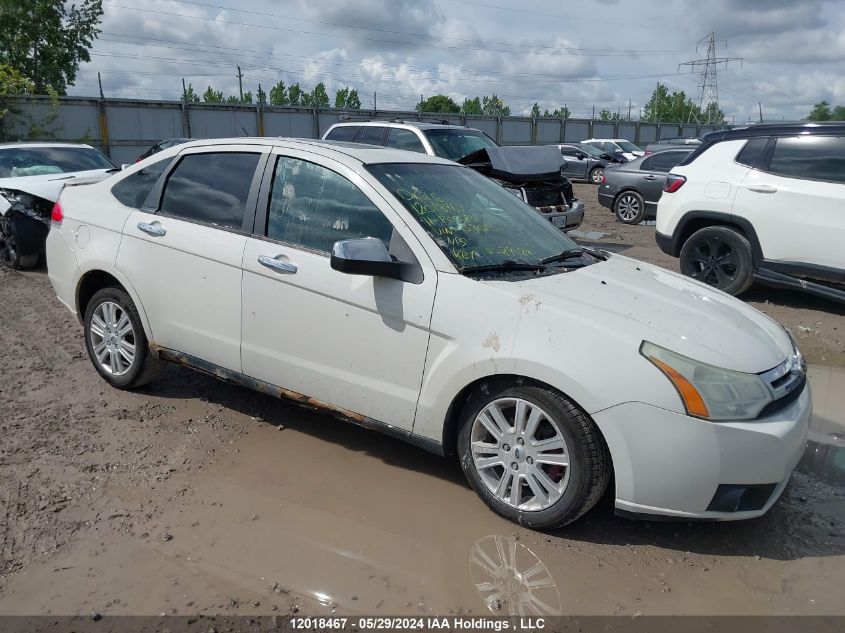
{"points": [[710, 392]]}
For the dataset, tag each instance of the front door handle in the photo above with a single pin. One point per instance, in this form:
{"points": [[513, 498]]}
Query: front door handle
{"points": [[761, 188], [152, 229], [277, 265]]}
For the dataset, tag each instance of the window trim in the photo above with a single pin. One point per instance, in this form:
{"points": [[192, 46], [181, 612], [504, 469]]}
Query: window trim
{"points": [[154, 198]]}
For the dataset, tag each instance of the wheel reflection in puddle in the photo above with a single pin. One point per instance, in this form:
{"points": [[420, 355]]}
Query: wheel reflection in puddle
{"points": [[511, 580]]}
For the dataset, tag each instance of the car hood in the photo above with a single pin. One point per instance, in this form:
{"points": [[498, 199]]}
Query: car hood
{"points": [[517, 163], [49, 186], [630, 298]]}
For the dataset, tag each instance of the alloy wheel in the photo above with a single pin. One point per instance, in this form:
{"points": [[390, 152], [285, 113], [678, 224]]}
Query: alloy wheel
{"points": [[715, 262], [520, 454], [628, 207], [112, 338], [597, 175]]}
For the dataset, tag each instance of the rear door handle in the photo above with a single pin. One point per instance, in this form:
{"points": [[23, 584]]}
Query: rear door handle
{"points": [[277, 265], [152, 229], [761, 188], [649, 177]]}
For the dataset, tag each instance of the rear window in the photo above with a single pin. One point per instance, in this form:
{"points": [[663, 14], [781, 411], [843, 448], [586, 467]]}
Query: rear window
{"points": [[810, 157], [751, 152], [39, 161], [664, 161], [343, 133], [371, 134]]}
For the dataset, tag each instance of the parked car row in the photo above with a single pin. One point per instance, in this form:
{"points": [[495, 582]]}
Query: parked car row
{"points": [[413, 295]]}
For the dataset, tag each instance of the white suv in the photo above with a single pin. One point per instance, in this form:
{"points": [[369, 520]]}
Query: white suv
{"points": [[765, 202], [411, 295]]}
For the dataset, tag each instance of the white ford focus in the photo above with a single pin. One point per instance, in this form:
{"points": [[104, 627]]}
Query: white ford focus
{"points": [[411, 295]]}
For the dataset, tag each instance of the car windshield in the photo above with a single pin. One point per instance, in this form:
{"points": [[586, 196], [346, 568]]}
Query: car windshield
{"points": [[454, 144], [628, 146], [38, 161], [591, 150], [475, 221]]}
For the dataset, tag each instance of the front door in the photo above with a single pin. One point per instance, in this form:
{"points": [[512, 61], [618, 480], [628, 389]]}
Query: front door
{"points": [[184, 255], [353, 342]]}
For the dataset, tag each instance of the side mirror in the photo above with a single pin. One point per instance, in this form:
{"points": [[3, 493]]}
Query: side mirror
{"points": [[368, 256], [580, 156]]}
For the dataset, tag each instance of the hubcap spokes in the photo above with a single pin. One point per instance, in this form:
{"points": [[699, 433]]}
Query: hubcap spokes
{"points": [[112, 338], [629, 207], [520, 454], [714, 262]]}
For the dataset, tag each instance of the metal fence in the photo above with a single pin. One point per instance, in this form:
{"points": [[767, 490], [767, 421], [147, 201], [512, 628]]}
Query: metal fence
{"points": [[125, 128]]}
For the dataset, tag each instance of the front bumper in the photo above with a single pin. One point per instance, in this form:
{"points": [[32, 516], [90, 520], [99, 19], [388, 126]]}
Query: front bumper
{"points": [[672, 465], [563, 216], [666, 243]]}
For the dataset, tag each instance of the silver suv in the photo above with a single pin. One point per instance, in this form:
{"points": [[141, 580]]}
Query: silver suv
{"points": [[531, 173]]}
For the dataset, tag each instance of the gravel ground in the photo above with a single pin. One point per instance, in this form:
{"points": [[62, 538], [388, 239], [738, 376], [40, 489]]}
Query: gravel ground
{"points": [[194, 496]]}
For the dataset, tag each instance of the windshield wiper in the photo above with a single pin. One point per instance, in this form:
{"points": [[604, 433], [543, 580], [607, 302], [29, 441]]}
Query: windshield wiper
{"points": [[507, 265], [571, 253]]}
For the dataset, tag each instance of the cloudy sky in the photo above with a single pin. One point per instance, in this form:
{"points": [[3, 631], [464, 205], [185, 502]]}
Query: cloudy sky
{"points": [[582, 54]]}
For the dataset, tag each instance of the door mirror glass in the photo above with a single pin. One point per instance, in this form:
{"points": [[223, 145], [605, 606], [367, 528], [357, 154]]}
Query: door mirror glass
{"points": [[368, 256]]}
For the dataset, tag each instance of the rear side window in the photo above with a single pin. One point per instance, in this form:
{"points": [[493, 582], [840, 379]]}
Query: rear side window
{"points": [[133, 190], [568, 151], [811, 157], [210, 188], [370, 134], [752, 151], [343, 133], [314, 207], [664, 161], [404, 139]]}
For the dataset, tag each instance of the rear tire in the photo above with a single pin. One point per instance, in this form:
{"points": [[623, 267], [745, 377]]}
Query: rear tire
{"points": [[720, 257], [629, 207], [116, 342], [541, 486]]}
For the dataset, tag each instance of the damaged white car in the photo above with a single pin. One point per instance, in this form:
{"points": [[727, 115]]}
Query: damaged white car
{"points": [[32, 175]]}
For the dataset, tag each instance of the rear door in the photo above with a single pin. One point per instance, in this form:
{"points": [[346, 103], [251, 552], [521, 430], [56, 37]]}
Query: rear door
{"points": [[796, 202], [183, 250], [350, 341], [575, 167]]}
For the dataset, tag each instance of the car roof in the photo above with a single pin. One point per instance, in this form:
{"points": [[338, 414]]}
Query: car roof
{"points": [[777, 129], [41, 144], [604, 140], [366, 154], [422, 125]]}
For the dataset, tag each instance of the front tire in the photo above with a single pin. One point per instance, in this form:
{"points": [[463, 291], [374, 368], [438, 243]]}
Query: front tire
{"points": [[116, 342], [720, 257], [629, 207], [532, 455], [9, 254], [596, 175]]}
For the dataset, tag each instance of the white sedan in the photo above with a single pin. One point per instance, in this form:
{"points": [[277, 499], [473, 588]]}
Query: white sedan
{"points": [[412, 295]]}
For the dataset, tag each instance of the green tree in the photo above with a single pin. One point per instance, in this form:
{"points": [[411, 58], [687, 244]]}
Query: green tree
{"points": [[232, 99], [676, 107], [279, 95], [319, 96], [535, 111], [472, 106], [438, 103], [247, 98], [353, 101], [213, 96], [493, 106], [340, 97], [820, 112], [558, 113], [838, 113], [46, 40], [189, 96], [347, 98], [607, 115], [12, 83], [295, 95], [261, 97]]}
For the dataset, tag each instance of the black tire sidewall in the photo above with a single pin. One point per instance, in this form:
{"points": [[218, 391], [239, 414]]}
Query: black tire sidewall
{"points": [[570, 504], [639, 217], [121, 298], [739, 244]]}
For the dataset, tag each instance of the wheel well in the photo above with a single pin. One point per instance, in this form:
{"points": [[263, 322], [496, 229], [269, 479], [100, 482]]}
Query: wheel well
{"points": [[451, 425], [92, 282], [697, 224]]}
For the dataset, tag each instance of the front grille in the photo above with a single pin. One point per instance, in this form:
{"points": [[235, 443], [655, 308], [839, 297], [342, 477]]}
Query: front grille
{"points": [[784, 401], [786, 382]]}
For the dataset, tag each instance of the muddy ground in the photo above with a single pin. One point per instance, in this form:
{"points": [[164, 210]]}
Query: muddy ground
{"points": [[191, 496]]}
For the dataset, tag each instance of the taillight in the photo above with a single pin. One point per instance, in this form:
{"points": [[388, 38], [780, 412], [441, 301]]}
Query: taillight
{"points": [[647, 152], [673, 183], [57, 216], [603, 179]]}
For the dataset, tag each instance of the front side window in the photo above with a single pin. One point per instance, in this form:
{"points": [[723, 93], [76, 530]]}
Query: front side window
{"points": [[568, 151], [133, 190], [211, 188], [473, 220], [401, 138], [343, 133], [628, 146], [314, 207], [38, 161], [454, 144], [812, 157]]}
